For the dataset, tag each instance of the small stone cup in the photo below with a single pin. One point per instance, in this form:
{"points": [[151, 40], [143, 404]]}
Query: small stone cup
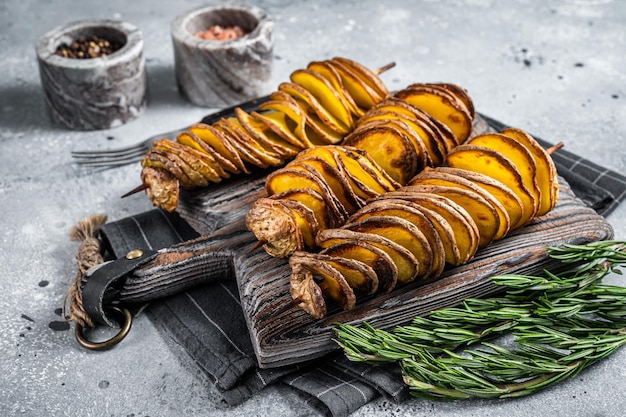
{"points": [[222, 73], [95, 93]]}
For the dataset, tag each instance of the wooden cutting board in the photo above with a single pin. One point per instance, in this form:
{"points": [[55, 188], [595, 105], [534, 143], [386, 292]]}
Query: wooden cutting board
{"points": [[283, 334]]}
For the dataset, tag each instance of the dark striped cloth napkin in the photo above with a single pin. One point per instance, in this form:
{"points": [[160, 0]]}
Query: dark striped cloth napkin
{"points": [[206, 325]]}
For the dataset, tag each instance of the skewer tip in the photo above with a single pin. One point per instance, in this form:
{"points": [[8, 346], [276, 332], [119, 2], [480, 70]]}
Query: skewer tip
{"points": [[385, 68], [135, 190], [554, 148]]}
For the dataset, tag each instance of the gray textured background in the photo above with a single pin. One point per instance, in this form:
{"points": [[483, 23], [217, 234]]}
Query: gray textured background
{"points": [[554, 68]]}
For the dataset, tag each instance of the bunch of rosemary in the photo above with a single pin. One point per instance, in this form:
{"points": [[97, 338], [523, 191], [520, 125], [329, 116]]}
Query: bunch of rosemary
{"points": [[548, 328]]}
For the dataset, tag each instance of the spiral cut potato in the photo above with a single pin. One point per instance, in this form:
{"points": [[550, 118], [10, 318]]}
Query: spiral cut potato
{"points": [[492, 184], [319, 106], [393, 141]]}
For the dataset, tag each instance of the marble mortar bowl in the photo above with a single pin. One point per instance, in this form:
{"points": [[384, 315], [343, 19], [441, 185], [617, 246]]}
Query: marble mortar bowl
{"points": [[96, 93], [222, 73]]}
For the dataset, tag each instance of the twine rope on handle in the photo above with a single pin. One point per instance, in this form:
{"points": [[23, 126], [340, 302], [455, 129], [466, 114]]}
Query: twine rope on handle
{"points": [[88, 255]]}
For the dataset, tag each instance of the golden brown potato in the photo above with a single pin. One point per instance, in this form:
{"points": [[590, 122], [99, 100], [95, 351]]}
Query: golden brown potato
{"points": [[466, 232], [330, 281], [265, 137], [402, 232], [311, 103], [363, 73], [509, 200], [495, 165], [222, 145], [276, 226], [286, 179], [404, 260], [311, 199], [547, 179], [444, 107], [415, 215], [334, 178], [483, 213], [382, 264], [391, 149], [360, 276], [326, 94], [329, 73], [435, 176], [517, 154]]}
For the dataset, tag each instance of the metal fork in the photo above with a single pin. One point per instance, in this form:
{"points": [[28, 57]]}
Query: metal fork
{"points": [[110, 158]]}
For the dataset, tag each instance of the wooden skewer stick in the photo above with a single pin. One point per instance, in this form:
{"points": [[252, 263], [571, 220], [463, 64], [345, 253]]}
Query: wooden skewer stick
{"points": [[554, 148], [135, 190], [384, 68], [254, 247]]}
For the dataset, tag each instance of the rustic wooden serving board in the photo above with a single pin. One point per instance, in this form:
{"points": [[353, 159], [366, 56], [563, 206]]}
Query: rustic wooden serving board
{"points": [[283, 334]]}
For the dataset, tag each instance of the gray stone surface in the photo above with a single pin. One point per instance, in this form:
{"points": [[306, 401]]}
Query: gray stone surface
{"points": [[554, 68], [96, 93]]}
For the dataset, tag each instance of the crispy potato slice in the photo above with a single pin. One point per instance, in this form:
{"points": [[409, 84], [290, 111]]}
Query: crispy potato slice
{"points": [[484, 214], [276, 226], [203, 162], [364, 180], [461, 94], [404, 233], [444, 136], [196, 169], [220, 164], [437, 177], [335, 179], [367, 164], [306, 221], [507, 198], [547, 177], [303, 95], [402, 126], [286, 179], [268, 157], [158, 158], [309, 127], [391, 149], [516, 153], [362, 94], [221, 143], [333, 283], [382, 264], [319, 133], [361, 277], [305, 291], [443, 107], [408, 211], [162, 187], [495, 165], [325, 93], [281, 125], [368, 76], [332, 76], [433, 150], [311, 199], [265, 137], [451, 252], [466, 232], [283, 115], [240, 143], [404, 260]]}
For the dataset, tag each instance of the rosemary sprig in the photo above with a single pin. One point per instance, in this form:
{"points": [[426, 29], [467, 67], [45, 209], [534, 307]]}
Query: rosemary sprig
{"points": [[543, 330]]}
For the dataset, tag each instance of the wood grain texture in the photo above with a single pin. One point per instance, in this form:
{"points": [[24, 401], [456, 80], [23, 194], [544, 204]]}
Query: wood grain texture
{"points": [[282, 333], [292, 336]]}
